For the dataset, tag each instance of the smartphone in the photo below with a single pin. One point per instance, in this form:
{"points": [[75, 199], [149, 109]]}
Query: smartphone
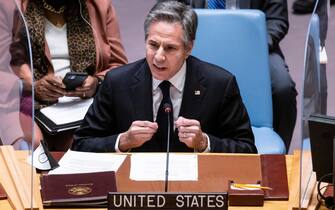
{"points": [[72, 80]]}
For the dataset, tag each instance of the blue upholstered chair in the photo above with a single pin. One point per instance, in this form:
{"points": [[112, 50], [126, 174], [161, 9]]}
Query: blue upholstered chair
{"points": [[237, 41]]}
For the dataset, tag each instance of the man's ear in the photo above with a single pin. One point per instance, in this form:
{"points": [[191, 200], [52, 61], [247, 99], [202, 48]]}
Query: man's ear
{"points": [[189, 48]]}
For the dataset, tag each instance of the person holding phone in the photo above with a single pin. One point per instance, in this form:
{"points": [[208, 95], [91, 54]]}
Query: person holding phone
{"points": [[68, 36]]}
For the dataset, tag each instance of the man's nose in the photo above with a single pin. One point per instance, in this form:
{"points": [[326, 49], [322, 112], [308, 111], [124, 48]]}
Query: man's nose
{"points": [[160, 55]]}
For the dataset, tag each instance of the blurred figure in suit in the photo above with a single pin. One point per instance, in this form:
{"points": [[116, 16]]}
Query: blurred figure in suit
{"points": [[307, 6]]}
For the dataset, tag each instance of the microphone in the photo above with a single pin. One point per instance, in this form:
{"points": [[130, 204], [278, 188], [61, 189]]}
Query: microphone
{"points": [[167, 109]]}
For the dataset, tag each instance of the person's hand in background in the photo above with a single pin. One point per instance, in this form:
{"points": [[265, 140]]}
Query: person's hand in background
{"points": [[87, 90], [49, 88]]}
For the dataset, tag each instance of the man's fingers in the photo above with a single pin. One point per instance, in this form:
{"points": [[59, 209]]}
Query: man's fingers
{"points": [[142, 130], [149, 124], [189, 129], [181, 121], [144, 137]]}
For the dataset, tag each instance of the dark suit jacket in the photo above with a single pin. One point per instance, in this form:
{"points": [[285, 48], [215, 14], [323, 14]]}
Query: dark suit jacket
{"points": [[126, 96], [274, 10]]}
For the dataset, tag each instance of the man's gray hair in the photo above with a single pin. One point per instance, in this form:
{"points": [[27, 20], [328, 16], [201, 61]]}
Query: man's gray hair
{"points": [[173, 12]]}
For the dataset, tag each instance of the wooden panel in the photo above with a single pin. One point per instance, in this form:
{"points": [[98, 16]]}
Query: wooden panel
{"points": [[15, 182]]}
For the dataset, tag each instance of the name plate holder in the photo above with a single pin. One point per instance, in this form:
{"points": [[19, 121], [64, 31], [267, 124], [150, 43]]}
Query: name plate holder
{"points": [[167, 200]]}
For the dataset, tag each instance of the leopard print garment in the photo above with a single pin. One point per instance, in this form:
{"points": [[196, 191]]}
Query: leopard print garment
{"points": [[79, 34]]}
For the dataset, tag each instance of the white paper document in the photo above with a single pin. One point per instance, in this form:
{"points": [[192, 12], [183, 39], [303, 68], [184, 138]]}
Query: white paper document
{"points": [[87, 162], [152, 167], [323, 55], [67, 110], [40, 159]]}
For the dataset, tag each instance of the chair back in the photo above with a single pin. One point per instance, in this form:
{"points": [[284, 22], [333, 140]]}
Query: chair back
{"points": [[237, 41]]}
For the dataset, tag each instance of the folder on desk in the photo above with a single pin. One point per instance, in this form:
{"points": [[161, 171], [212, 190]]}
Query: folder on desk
{"points": [[274, 176], [67, 114], [77, 190]]}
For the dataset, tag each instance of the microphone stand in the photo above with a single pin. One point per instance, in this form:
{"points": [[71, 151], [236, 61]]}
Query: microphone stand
{"points": [[167, 111]]}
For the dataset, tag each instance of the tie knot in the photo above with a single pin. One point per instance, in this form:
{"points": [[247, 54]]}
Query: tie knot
{"points": [[165, 87]]}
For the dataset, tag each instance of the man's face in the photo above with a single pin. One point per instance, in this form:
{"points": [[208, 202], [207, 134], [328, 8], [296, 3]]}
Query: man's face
{"points": [[165, 49]]}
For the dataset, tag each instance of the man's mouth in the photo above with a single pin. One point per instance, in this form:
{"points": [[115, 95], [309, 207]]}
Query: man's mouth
{"points": [[161, 68]]}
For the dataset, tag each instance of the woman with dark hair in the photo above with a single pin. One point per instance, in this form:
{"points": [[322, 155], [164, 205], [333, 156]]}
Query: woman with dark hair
{"points": [[67, 36]]}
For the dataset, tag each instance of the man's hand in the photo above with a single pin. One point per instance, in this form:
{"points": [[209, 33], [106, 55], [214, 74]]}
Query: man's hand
{"points": [[138, 133], [190, 133], [49, 88], [87, 90]]}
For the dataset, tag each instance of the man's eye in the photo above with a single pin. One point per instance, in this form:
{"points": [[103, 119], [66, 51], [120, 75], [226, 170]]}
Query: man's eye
{"points": [[154, 45], [169, 48]]}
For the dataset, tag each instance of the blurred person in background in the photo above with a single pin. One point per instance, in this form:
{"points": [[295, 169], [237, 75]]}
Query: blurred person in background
{"points": [[16, 128], [67, 36]]}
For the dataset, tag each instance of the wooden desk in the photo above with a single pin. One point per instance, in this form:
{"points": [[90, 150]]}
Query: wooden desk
{"points": [[268, 205]]}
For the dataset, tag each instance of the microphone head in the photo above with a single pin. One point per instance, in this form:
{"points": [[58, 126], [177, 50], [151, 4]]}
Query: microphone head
{"points": [[167, 108]]}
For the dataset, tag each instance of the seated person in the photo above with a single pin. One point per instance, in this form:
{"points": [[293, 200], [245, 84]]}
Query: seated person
{"points": [[283, 87], [79, 36], [132, 108], [15, 128]]}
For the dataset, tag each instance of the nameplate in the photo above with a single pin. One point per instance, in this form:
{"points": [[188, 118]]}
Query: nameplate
{"points": [[167, 201]]}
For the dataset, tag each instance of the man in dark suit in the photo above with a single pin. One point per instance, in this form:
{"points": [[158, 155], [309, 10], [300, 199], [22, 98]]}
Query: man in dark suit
{"points": [[283, 87], [207, 109]]}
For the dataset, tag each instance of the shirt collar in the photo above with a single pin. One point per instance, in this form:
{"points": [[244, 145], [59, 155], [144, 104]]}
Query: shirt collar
{"points": [[178, 80]]}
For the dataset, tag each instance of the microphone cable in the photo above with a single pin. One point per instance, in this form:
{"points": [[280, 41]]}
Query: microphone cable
{"points": [[329, 200]]}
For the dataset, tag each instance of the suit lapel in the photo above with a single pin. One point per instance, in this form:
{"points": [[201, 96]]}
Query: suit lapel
{"points": [[141, 92], [194, 91]]}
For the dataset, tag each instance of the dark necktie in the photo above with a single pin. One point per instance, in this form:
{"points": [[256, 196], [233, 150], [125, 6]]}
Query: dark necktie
{"points": [[162, 116], [216, 4]]}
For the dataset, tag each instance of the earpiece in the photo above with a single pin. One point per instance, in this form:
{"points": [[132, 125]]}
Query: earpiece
{"points": [[95, 34]]}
